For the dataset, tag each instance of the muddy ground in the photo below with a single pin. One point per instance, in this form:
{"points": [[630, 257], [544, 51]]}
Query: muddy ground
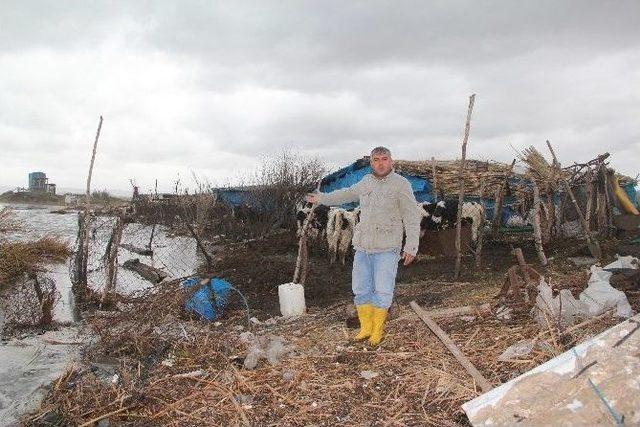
{"points": [[174, 369], [259, 267]]}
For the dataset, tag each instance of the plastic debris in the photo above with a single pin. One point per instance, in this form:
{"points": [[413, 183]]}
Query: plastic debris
{"points": [[563, 307], [624, 262], [600, 296], [288, 375], [503, 313], [209, 298], [272, 348], [168, 361], [368, 375], [521, 348]]}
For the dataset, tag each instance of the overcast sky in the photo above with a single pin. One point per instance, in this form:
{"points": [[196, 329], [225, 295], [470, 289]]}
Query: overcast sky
{"points": [[211, 87]]}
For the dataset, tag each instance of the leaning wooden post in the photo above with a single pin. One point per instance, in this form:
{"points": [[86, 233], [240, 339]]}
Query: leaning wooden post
{"points": [[594, 247], [467, 125], [537, 231], [110, 259], [478, 251], [497, 208], [303, 255], [434, 189], [84, 238], [300, 273]]}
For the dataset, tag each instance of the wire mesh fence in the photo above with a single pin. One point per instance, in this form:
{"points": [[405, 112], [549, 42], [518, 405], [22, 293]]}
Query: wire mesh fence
{"points": [[127, 256]]}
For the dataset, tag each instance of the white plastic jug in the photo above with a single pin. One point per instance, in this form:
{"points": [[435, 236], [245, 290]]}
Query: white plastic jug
{"points": [[291, 299]]}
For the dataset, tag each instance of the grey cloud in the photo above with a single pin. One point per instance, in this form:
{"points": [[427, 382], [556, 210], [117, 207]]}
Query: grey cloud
{"points": [[212, 87]]}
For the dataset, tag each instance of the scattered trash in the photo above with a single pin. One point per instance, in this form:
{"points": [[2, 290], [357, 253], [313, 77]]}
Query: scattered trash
{"points": [[521, 348], [623, 262], [292, 301], [504, 313], [582, 261], [209, 299], [192, 374], [255, 321], [563, 307], [368, 375], [247, 337], [288, 375], [272, 348], [600, 296], [169, 361], [244, 399]]}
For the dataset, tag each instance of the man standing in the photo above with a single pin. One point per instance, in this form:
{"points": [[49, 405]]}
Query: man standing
{"points": [[387, 206]]}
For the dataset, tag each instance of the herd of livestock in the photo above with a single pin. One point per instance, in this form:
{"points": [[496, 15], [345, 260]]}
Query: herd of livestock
{"points": [[337, 225]]}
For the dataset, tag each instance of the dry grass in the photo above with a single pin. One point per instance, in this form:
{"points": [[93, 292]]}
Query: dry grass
{"points": [[320, 383], [18, 258]]}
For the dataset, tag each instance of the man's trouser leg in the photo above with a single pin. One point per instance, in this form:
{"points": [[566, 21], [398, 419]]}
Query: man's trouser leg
{"points": [[385, 269], [363, 289]]}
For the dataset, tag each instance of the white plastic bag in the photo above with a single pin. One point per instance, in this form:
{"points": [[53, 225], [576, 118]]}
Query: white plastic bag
{"points": [[600, 296]]}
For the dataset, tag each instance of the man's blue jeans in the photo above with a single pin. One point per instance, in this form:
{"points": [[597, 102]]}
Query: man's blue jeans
{"points": [[374, 277]]}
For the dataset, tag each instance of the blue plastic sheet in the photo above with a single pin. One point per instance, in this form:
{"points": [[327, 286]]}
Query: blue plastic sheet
{"points": [[209, 300]]}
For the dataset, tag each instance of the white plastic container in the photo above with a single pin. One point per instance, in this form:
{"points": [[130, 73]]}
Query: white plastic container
{"points": [[291, 299]]}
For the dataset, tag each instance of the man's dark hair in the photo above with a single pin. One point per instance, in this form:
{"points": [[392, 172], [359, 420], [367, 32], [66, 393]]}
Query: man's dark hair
{"points": [[381, 150]]}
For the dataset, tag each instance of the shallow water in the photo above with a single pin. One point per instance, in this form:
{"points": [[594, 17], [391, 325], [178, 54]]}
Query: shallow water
{"points": [[176, 255]]}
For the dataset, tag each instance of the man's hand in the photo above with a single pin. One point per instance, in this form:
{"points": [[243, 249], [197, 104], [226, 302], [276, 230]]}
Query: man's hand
{"points": [[408, 258], [312, 198]]}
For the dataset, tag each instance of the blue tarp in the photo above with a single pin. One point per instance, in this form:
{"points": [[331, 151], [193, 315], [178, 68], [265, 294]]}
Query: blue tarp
{"points": [[631, 191], [209, 300], [352, 174]]}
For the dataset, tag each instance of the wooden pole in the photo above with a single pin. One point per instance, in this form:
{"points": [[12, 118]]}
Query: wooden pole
{"points": [[479, 243], [83, 244], [484, 384], [467, 126], [110, 258], [594, 247], [537, 232], [93, 158], [589, 207], [434, 189], [303, 255], [497, 210]]}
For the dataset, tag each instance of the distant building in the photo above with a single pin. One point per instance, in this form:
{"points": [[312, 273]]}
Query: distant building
{"points": [[39, 183]]}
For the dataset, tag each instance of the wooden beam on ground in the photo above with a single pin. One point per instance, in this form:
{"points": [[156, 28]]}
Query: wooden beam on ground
{"points": [[147, 272], [137, 250], [484, 384], [466, 310]]}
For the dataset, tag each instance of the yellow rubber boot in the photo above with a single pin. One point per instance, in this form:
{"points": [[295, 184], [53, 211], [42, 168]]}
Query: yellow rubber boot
{"points": [[379, 317], [365, 314]]}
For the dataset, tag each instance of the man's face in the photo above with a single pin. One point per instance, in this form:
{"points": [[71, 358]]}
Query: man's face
{"points": [[381, 164]]}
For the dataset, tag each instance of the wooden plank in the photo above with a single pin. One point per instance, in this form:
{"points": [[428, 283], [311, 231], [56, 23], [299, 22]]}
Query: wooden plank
{"points": [[485, 385], [137, 250], [464, 310], [147, 272]]}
